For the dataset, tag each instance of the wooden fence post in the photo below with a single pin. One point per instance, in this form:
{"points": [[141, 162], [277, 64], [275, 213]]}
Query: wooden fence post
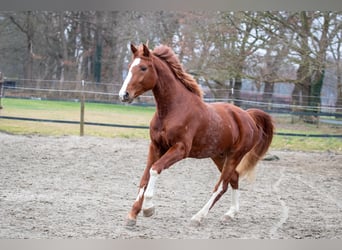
{"points": [[318, 116], [2, 82], [82, 110]]}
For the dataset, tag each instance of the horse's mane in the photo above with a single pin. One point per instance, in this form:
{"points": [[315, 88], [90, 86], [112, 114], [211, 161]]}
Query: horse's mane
{"points": [[166, 54]]}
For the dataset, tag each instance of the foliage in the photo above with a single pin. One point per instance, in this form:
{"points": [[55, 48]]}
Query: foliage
{"points": [[218, 47]]}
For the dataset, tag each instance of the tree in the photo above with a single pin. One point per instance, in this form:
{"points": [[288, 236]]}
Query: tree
{"points": [[25, 22], [219, 48], [215, 47], [314, 31]]}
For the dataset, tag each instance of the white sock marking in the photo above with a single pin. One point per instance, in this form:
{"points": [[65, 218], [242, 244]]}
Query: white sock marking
{"points": [[234, 208], [128, 78], [150, 189], [141, 192], [235, 198], [205, 210]]}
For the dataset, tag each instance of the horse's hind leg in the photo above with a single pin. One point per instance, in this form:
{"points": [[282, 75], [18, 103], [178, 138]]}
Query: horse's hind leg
{"points": [[220, 188], [219, 191], [234, 183], [228, 176]]}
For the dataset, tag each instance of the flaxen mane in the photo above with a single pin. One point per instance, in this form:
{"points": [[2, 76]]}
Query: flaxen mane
{"points": [[167, 55]]}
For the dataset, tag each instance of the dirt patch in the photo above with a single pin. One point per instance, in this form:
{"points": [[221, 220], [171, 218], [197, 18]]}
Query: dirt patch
{"points": [[83, 187]]}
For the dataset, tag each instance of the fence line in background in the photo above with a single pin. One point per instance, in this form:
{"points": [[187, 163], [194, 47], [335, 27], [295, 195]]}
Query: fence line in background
{"points": [[147, 127], [260, 104], [74, 122], [54, 82], [277, 108]]}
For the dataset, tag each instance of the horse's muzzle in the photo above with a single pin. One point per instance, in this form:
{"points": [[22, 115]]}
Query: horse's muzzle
{"points": [[126, 98]]}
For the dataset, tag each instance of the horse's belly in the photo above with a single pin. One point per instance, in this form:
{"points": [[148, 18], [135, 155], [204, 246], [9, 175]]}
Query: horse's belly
{"points": [[217, 139], [201, 154], [210, 148]]}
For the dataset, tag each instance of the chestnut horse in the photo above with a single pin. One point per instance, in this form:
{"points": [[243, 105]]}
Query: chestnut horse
{"points": [[185, 126]]}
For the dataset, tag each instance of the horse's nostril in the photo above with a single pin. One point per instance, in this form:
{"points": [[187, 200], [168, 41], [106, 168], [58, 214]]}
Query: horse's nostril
{"points": [[125, 97]]}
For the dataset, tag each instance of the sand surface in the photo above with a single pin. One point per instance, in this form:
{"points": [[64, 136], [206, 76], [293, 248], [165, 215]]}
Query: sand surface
{"points": [[83, 187]]}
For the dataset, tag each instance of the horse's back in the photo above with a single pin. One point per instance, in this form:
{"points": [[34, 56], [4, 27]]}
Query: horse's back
{"points": [[230, 113]]}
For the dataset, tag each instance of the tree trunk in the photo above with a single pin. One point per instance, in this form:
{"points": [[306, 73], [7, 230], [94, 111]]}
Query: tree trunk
{"points": [[339, 92], [29, 35], [88, 49], [339, 97], [316, 87], [268, 94], [64, 48], [28, 29], [98, 48], [237, 92]]}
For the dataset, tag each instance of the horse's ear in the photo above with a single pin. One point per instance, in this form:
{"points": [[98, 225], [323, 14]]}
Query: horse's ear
{"points": [[146, 51], [133, 48]]}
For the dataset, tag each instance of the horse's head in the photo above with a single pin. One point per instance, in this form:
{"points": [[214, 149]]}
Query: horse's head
{"points": [[141, 76]]}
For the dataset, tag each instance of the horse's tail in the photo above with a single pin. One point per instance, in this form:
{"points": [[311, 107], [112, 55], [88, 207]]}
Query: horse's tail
{"points": [[265, 129]]}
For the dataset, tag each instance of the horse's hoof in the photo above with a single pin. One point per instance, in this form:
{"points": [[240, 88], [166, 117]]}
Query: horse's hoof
{"points": [[228, 217], [148, 212], [130, 222], [195, 223]]}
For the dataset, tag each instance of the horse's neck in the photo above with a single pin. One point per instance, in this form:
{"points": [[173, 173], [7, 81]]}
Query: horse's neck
{"points": [[168, 92], [165, 96]]}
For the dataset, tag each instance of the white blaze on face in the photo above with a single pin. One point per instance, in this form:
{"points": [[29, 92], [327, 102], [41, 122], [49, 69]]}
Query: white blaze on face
{"points": [[128, 78]]}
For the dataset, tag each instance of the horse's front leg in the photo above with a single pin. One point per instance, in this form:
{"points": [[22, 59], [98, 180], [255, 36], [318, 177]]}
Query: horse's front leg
{"points": [[153, 155], [176, 153]]}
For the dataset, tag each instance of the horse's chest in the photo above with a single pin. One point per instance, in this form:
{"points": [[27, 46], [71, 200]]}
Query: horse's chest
{"points": [[166, 134], [160, 137]]}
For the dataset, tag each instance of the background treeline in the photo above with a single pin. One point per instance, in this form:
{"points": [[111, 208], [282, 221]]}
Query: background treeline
{"points": [[221, 49]]}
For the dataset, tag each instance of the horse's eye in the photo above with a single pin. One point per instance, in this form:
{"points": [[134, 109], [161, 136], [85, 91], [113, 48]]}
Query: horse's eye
{"points": [[143, 68]]}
